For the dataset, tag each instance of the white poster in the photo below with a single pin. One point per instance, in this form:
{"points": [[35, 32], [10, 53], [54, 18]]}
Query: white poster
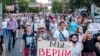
{"points": [[94, 26], [53, 48]]}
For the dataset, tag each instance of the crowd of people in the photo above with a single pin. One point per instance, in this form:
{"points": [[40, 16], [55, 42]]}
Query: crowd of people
{"points": [[82, 32]]}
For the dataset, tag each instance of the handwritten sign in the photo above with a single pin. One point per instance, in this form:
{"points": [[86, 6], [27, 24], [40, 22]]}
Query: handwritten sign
{"points": [[94, 26], [53, 48]]}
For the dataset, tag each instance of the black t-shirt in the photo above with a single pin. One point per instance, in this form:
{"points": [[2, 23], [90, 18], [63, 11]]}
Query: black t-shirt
{"points": [[84, 28], [1, 42], [30, 40], [89, 46]]}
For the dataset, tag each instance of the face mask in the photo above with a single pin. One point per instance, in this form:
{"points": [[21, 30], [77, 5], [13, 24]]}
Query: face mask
{"points": [[81, 32], [74, 42]]}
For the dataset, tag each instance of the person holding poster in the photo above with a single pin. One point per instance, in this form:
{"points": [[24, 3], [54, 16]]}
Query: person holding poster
{"points": [[42, 33], [76, 45], [61, 34], [30, 42], [94, 27]]}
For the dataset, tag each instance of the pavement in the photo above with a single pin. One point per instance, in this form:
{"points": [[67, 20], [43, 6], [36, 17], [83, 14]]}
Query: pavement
{"points": [[15, 51]]}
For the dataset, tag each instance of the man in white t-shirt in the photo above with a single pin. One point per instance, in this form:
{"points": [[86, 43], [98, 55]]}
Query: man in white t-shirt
{"points": [[61, 34]]}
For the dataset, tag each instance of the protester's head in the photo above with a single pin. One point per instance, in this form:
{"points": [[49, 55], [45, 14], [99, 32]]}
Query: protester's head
{"points": [[85, 21], [80, 17], [11, 17], [47, 17], [62, 19], [62, 25], [29, 28], [54, 20], [79, 30], [36, 18], [79, 20], [89, 34], [73, 14], [71, 19], [40, 16], [42, 28], [74, 38]]}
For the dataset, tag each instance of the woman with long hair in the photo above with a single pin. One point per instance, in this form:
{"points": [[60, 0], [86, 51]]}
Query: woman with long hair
{"points": [[76, 45], [73, 25], [89, 44]]}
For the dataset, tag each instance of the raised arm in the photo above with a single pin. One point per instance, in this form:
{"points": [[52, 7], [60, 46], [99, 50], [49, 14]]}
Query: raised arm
{"points": [[85, 35]]}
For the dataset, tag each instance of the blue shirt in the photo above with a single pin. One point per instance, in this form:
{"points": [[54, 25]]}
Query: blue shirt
{"points": [[73, 27]]}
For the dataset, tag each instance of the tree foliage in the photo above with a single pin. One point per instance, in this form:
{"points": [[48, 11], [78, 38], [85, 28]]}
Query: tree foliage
{"points": [[97, 2], [81, 3], [57, 7], [23, 5]]}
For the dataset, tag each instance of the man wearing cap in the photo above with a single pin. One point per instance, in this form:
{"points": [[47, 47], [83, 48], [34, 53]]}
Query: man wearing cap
{"points": [[42, 34]]}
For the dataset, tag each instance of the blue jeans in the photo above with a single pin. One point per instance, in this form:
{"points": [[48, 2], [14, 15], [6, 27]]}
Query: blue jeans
{"points": [[12, 39], [5, 32]]}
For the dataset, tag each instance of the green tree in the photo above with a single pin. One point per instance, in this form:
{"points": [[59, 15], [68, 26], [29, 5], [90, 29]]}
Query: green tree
{"points": [[81, 3], [76, 3], [23, 5], [97, 2], [5, 3], [57, 7]]}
